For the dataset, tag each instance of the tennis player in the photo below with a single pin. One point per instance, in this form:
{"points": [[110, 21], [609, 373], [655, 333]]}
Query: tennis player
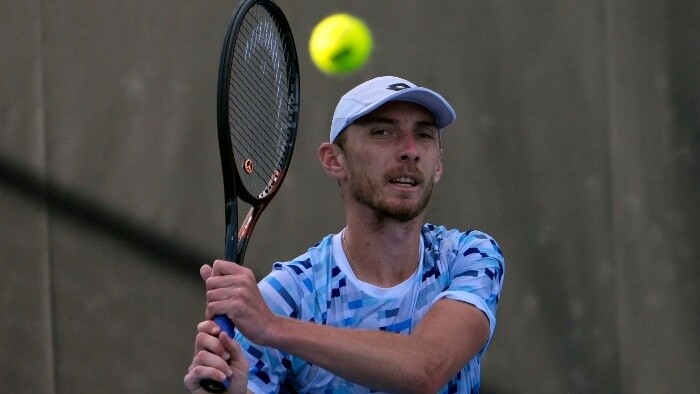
{"points": [[389, 303]]}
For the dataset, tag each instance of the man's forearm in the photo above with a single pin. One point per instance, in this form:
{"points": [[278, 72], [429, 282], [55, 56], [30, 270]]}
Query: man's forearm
{"points": [[376, 359], [421, 362]]}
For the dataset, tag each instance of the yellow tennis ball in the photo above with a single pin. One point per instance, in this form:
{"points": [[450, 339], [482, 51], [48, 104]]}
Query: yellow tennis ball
{"points": [[340, 44]]}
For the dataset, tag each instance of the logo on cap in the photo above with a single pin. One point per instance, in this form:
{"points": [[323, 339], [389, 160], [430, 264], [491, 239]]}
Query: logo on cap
{"points": [[398, 86]]}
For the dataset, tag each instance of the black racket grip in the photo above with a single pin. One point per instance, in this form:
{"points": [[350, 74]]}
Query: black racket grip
{"points": [[211, 385]]}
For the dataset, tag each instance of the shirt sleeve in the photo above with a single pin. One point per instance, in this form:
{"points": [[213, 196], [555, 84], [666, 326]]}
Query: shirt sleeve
{"points": [[268, 367], [476, 275]]}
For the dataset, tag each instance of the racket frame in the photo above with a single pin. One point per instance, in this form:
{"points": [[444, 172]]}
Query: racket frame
{"points": [[236, 241]]}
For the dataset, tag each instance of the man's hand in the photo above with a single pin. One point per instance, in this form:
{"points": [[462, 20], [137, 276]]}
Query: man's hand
{"points": [[216, 356], [233, 291]]}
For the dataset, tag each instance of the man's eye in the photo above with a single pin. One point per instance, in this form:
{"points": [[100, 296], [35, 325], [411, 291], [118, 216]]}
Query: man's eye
{"points": [[380, 132], [428, 135]]}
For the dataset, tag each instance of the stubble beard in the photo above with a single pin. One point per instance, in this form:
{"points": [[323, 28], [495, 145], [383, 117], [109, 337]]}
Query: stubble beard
{"points": [[365, 190]]}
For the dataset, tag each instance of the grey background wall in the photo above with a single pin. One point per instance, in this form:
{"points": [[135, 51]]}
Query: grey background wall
{"points": [[577, 146]]}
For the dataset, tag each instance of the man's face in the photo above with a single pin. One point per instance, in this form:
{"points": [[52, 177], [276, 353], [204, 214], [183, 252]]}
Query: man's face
{"points": [[393, 159]]}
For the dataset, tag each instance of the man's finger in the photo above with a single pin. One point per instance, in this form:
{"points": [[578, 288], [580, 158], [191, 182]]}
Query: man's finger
{"points": [[209, 327], [206, 342], [223, 267], [231, 345], [205, 272], [234, 350], [223, 281]]}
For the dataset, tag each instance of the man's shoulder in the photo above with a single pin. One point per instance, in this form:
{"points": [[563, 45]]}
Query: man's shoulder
{"points": [[468, 241], [317, 258], [441, 233]]}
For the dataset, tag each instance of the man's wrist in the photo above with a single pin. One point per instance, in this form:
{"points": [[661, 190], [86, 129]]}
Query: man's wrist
{"points": [[275, 331]]}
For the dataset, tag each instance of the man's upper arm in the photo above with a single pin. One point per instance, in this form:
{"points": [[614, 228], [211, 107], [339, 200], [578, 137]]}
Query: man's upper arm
{"points": [[460, 322], [455, 332], [476, 275]]}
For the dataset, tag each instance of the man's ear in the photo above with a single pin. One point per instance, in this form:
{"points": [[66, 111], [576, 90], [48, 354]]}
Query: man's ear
{"points": [[332, 159], [438, 169]]}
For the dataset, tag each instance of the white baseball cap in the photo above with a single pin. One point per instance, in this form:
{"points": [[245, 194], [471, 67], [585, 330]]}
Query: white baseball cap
{"points": [[369, 95]]}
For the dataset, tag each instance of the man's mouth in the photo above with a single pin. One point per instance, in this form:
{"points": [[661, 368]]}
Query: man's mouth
{"points": [[404, 181]]}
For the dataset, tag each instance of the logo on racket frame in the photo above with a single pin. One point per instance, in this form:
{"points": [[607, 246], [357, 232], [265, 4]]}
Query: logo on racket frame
{"points": [[248, 166]]}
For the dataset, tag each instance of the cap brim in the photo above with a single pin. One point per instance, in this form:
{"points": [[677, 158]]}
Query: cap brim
{"points": [[434, 102]]}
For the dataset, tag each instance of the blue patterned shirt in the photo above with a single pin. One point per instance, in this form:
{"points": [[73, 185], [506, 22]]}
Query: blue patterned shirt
{"points": [[320, 287]]}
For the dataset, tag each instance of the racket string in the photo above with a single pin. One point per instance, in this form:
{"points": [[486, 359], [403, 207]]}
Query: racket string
{"points": [[256, 92], [274, 52]]}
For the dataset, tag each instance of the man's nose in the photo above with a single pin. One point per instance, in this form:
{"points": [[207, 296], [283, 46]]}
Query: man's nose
{"points": [[409, 149]]}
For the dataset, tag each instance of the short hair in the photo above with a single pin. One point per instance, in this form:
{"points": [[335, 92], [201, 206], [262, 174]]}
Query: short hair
{"points": [[340, 140]]}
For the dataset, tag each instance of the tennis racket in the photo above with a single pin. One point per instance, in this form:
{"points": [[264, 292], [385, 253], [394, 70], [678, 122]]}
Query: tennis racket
{"points": [[257, 117]]}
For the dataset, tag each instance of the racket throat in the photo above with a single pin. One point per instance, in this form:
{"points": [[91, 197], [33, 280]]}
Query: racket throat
{"points": [[245, 226], [245, 230]]}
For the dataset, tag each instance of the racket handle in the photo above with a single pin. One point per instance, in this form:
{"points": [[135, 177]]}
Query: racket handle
{"points": [[211, 385]]}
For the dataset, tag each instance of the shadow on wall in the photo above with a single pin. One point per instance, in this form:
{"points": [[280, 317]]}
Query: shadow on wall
{"points": [[169, 253]]}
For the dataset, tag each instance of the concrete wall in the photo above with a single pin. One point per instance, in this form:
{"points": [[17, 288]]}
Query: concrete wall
{"points": [[577, 146]]}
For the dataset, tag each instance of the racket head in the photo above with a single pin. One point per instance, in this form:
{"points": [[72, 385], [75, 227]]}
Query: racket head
{"points": [[257, 101]]}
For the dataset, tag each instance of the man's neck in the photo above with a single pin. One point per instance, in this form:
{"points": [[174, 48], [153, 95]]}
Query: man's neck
{"points": [[386, 253]]}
